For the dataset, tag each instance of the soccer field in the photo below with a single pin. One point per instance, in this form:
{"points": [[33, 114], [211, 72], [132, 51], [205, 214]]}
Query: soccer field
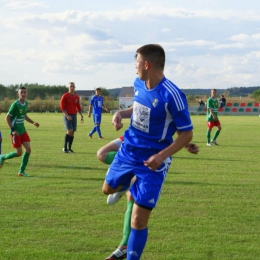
{"points": [[209, 208]]}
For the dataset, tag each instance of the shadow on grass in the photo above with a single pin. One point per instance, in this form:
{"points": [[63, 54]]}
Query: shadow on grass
{"points": [[187, 183], [207, 159]]}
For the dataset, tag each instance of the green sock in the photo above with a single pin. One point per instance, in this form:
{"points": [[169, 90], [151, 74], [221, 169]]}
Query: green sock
{"points": [[216, 135], [208, 136], [110, 157], [127, 223], [24, 162], [9, 155]]}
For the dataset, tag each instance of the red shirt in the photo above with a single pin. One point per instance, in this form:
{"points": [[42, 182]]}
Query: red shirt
{"points": [[70, 103]]}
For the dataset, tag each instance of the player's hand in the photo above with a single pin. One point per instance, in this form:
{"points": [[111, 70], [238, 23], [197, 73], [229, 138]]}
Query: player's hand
{"points": [[192, 148], [116, 121], [14, 133], [69, 118], [154, 162], [82, 120], [36, 124]]}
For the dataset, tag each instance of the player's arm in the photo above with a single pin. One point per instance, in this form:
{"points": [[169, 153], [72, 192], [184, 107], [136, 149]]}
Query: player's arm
{"points": [[191, 147], [79, 109], [89, 110], [82, 117], [9, 123], [63, 107], [105, 108], [119, 115], [181, 141], [31, 121], [212, 113]]}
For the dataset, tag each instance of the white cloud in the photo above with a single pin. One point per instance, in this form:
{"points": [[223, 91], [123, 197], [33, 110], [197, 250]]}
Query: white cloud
{"points": [[24, 4], [204, 47]]}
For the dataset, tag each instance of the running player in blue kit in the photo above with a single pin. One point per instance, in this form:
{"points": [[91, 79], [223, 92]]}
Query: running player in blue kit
{"points": [[159, 110], [96, 103]]}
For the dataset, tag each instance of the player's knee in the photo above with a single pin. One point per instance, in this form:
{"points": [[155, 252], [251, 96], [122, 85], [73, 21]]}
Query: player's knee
{"points": [[101, 155], [105, 191], [138, 222], [28, 150], [19, 153]]}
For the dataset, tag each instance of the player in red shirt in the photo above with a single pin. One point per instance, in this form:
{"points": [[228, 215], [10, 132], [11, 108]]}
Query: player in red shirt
{"points": [[70, 105]]}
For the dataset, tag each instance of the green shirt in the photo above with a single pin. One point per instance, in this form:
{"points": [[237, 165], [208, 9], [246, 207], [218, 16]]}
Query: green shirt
{"points": [[213, 104], [17, 111]]}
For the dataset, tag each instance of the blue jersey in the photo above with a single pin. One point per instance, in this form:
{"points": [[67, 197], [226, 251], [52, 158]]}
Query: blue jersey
{"points": [[97, 102], [157, 114]]}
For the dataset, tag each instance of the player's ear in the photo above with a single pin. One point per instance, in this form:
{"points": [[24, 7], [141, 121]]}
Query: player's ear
{"points": [[147, 64]]}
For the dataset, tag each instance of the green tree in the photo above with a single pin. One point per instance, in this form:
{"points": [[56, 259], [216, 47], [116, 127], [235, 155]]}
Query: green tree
{"points": [[256, 94], [104, 92]]}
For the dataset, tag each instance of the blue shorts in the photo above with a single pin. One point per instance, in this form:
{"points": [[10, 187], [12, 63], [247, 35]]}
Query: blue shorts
{"points": [[97, 118], [70, 125], [147, 188]]}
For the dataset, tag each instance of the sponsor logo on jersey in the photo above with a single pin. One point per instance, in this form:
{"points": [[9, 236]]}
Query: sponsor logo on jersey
{"points": [[141, 116]]}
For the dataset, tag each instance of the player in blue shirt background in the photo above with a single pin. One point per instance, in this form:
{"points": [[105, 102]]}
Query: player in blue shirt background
{"points": [[96, 104], [159, 111]]}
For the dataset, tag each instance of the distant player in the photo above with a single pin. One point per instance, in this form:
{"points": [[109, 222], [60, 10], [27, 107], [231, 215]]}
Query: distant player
{"points": [[96, 104], [15, 119], [70, 106], [212, 117]]}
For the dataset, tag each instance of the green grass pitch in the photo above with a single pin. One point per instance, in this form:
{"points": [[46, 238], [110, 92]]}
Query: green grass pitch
{"points": [[209, 208]]}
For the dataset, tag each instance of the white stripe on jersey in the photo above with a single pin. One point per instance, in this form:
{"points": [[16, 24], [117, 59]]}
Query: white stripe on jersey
{"points": [[168, 120], [175, 94], [179, 128]]}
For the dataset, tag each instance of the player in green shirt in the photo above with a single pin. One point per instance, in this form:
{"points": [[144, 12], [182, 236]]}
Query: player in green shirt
{"points": [[212, 117], [15, 119]]}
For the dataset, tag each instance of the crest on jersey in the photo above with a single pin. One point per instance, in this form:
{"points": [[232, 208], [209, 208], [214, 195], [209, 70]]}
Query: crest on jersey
{"points": [[20, 111], [155, 102], [76, 100]]}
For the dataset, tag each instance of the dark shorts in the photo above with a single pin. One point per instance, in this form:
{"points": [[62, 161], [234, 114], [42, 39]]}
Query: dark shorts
{"points": [[72, 124], [18, 140]]}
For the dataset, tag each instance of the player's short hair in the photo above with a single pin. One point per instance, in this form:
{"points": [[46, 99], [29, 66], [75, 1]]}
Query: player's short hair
{"points": [[71, 83], [98, 89], [22, 87], [153, 53]]}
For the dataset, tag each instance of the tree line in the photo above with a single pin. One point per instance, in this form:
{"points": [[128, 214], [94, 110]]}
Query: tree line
{"points": [[56, 91], [34, 91]]}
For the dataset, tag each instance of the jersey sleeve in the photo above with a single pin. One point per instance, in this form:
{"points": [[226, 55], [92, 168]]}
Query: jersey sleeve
{"points": [[178, 107], [63, 103], [78, 105], [12, 109], [209, 103]]}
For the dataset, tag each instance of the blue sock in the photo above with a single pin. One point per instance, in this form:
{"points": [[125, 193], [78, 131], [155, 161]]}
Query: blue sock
{"points": [[98, 130], [93, 130], [136, 243]]}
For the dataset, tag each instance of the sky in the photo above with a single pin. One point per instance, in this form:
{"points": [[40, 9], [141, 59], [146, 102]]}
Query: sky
{"points": [[208, 43]]}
